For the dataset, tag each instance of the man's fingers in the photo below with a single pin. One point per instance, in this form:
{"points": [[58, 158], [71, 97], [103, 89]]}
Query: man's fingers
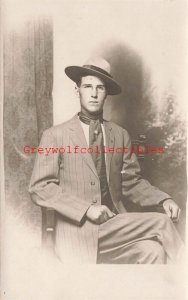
{"points": [[168, 212], [175, 214], [99, 214], [106, 217], [171, 209], [103, 217], [109, 212]]}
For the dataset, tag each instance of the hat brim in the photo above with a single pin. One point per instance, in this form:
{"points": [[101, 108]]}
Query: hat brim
{"points": [[76, 72]]}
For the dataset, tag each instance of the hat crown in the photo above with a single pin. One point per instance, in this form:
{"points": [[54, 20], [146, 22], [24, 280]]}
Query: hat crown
{"points": [[99, 63]]}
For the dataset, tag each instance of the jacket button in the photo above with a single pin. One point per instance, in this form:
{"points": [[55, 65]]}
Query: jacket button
{"points": [[94, 201], [92, 182]]}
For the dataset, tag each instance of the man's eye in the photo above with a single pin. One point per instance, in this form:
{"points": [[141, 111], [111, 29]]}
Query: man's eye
{"points": [[102, 88]]}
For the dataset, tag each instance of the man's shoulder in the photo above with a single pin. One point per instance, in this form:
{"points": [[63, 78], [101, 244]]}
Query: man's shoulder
{"points": [[60, 127]]}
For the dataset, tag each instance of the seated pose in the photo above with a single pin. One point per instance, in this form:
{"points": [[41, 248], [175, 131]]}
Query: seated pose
{"points": [[92, 176]]}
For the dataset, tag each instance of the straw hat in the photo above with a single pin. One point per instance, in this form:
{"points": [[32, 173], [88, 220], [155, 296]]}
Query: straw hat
{"points": [[98, 67]]}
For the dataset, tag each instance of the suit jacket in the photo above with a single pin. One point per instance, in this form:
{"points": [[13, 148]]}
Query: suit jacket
{"points": [[68, 183]]}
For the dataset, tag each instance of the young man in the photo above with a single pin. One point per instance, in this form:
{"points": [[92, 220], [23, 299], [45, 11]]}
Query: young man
{"points": [[89, 184]]}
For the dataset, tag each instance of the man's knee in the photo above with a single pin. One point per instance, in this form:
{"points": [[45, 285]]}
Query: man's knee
{"points": [[151, 252]]}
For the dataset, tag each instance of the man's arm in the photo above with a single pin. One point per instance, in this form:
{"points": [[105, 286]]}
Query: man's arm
{"points": [[138, 190], [44, 185]]}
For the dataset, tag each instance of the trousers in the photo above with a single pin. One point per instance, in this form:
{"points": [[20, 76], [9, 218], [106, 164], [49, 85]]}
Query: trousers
{"points": [[139, 238]]}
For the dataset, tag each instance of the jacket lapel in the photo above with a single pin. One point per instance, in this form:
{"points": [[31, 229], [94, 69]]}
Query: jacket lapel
{"points": [[78, 138]]}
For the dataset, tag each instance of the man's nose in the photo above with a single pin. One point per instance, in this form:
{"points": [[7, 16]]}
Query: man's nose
{"points": [[94, 93]]}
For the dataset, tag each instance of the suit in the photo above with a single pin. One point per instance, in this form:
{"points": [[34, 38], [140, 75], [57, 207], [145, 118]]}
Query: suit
{"points": [[68, 183]]}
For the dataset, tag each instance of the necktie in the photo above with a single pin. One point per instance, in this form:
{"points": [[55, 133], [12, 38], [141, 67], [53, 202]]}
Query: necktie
{"points": [[96, 140]]}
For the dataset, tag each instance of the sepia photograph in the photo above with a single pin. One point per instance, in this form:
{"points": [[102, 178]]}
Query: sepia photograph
{"points": [[93, 149]]}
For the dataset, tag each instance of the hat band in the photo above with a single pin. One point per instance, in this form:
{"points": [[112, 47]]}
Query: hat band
{"points": [[97, 69]]}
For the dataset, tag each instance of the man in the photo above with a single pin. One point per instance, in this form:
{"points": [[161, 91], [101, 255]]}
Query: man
{"points": [[90, 188]]}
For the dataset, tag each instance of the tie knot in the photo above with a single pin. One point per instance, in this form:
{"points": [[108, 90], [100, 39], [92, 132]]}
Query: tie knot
{"points": [[95, 126]]}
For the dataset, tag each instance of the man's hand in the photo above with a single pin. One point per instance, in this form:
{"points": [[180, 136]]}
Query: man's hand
{"points": [[99, 214], [171, 209]]}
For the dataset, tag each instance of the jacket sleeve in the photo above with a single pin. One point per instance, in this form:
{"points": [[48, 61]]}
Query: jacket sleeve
{"points": [[136, 189], [44, 186]]}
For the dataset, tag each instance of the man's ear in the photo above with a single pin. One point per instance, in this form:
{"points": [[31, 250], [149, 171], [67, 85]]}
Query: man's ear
{"points": [[77, 91]]}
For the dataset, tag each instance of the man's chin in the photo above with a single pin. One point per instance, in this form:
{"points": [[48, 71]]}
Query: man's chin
{"points": [[94, 111]]}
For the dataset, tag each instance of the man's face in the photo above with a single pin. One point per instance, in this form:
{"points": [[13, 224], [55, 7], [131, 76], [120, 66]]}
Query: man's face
{"points": [[92, 93]]}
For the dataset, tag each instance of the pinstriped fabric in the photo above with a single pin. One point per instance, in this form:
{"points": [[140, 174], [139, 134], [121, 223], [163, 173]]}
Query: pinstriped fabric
{"points": [[69, 184], [76, 244]]}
